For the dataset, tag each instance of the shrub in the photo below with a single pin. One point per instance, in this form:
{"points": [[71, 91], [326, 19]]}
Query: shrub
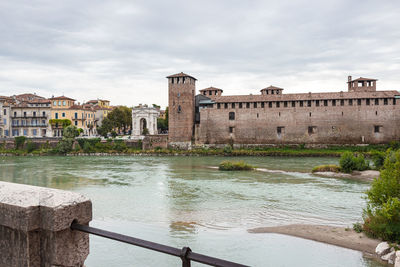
{"points": [[326, 168], [382, 214], [19, 142], [119, 145], [228, 149], [348, 162], [87, 147], [30, 146], [358, 227], [378, 158], [235, 166]]}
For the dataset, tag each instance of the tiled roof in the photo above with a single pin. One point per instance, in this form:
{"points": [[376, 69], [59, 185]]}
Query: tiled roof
{"points": [[62, 98], [306, 96], [180, 75], [28, 97]]}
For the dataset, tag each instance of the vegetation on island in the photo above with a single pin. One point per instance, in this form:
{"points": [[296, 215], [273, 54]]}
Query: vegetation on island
{"points": [[235, 166], [326, 168], [381, 217]]}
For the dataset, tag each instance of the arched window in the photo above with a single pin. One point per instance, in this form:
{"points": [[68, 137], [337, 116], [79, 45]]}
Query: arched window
{"points": [[231, 116], [179, 109]]}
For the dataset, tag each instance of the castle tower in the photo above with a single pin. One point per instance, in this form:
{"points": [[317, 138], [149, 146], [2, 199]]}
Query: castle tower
{"points": [[361, 84], [181, 105]]}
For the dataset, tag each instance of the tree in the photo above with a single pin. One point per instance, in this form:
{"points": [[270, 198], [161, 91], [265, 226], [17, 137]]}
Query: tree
{"points": [[119, 118], [162, 124], [382, 215], [67, 141]]}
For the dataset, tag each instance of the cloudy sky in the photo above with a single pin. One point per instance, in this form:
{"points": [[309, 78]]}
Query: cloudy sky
{"points": [[123, 50]]}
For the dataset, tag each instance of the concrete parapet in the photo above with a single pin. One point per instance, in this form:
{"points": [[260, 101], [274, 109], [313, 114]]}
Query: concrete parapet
{"points": [[35, 226]]}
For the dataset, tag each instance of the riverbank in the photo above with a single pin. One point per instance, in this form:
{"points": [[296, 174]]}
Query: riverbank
{"points": [[281, 151], [338, 236]]}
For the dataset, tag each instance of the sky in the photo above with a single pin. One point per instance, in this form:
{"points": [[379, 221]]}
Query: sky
{"points": [[123, 50]]}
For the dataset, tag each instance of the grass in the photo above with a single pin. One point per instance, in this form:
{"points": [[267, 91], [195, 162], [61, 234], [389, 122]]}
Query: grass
{"points": [[235, 166], [326, 168]]}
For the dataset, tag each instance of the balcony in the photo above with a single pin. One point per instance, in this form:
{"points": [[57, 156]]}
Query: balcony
{"points": [[30, 125], [29, 116]]}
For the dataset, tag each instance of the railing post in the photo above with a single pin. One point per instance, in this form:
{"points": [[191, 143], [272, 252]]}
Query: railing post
{"points": [[184, 253]]}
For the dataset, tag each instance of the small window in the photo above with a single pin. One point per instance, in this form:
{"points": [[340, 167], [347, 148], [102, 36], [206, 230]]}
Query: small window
{"points": [[255, 104], [301, 103], [231, 116], [342, 102], [247, 105], [377, 129], [54, 103], [209, 93], [5, 112], [76, 123], [64, 103], [270, 104], [376, 101], [179, 108], [230, 129], [333, 102], [367, 101], [15, 114], [312, 130], [34, 114], [218, 105], [394, 101], [317, 103], [285, 104], [179, 95], [233, 105], [325, 103], [278, 104], [63, 115], [59, 102], [24, 113], [44, 114], [350, 102], [262, 104], [293, 104], [240, 105], [226, 105], [358, 102], [385, 101], [308, 103], [280, 130]]}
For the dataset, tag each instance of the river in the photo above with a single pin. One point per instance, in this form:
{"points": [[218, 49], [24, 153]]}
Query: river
{"points": [[182, 201]]}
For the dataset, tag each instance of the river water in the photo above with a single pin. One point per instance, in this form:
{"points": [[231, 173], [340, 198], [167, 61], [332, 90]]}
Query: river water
{"points": [[184, 201]]}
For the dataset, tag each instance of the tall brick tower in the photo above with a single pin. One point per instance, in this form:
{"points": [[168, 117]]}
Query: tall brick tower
{"points": [[181, 105]]}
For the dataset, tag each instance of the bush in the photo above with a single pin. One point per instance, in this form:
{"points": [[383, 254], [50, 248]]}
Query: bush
{"points": [[19, 142], [358, 227], [348, 162], [382, 214], [326, 168], [378, 158], [228, 149], [119, 145], [235, 166], [30, 146]]}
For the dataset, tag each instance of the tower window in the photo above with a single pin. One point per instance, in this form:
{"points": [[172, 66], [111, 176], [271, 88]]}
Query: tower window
{"points": [[377, 129], [247, 105], [179, 108], [359, 102], [333, 102], [317, 103], [376, 101], [367, 102], [325, 103], [285, 104], [262, 104], [280, 130], [218, 105], [233, 105], [231, 116], [309, 103], [301, 103], [277, 104], [240, 105], [350, 102], [385, 101], [270, 104], [255, 104], [226, 105], [231, 129], [342, 102], [293, 104]]}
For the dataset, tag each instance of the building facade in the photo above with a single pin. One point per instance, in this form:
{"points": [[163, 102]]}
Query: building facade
{"points": [[28, 115], [362, 115], [102, 108], [81, 116]]}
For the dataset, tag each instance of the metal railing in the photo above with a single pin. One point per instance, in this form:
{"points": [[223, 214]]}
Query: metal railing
{"points": [[185, 253]]}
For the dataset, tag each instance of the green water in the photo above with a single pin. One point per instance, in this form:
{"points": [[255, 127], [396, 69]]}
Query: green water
{"points": [[182, 201]]}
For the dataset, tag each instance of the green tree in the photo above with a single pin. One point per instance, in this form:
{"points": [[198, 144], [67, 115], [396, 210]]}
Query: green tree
{"points": [[120, 119], [382, 214], [162, 124], [67, 141]]}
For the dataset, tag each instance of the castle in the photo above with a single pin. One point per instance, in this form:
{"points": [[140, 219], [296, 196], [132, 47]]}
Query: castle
{"points": [[362, 115]]}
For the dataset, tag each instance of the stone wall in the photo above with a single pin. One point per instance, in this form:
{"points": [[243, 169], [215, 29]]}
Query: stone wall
{"points": [[35, 226], [355, 124], [155, 141]]}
